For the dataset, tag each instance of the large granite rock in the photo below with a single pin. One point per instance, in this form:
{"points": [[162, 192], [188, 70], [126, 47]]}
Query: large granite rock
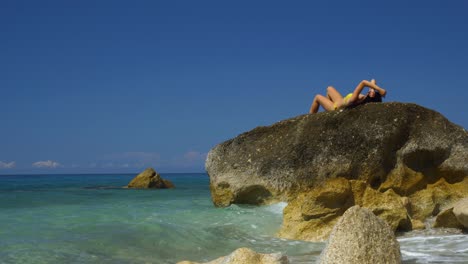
{"points": [[149, 178], [359, 237], [402, 161], [247, 256]]}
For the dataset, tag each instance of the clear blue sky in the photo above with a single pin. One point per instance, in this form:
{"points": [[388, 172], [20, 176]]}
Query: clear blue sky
{"points": [[115, 86]]}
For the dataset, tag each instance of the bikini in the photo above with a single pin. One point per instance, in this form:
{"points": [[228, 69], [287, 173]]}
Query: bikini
{"points": [[345, 100]]}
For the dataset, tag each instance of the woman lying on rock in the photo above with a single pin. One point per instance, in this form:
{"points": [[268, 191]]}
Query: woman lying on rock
{"points": [[334, 100]]}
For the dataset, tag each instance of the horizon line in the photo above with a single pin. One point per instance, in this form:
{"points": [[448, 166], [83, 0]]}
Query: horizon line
{"points": [[88, 173]]}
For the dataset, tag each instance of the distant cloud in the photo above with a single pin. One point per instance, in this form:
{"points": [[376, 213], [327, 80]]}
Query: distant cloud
{"points": [[7, 165], [46, 164]]}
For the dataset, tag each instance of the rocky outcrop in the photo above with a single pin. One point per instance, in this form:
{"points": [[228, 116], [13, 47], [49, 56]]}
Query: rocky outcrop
{"points": [[402, 161], [247, 256], [361, 237], [149, 178], [312, 215], [460, 210]]}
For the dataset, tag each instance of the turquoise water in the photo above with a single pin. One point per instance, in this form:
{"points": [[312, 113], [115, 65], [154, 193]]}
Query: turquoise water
{"points": [[91, 219]]}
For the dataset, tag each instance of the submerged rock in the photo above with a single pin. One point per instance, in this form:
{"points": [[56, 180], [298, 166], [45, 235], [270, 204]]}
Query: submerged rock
{"points": [[402, 161], [247, 256], [360, 237], [149, 178]]}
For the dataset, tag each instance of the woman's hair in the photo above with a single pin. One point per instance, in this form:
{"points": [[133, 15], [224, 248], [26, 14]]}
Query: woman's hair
{"points": [[376, 99]]}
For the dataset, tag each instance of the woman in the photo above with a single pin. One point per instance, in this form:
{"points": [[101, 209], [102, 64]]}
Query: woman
{"points": [[334, 100]]}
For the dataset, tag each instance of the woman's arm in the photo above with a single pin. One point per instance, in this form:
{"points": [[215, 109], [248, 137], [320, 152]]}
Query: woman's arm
{"points": [[363, 84], [373, 85]]}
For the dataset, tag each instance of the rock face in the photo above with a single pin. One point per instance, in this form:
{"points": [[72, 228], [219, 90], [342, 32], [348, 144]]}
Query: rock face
{"points": [[312, 215], [402, 161], [460, 210], [149, 178], [247, 256], [361, 237]]}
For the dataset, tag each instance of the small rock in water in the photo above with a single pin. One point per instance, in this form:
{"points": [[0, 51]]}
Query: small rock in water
{"points": [[247, 256], [460, 210], [149, 178], [447, 219], [361, 237]]}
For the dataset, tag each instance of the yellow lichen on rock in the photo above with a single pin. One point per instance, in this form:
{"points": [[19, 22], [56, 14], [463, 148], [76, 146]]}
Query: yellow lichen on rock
{"points": [[389, 207], [430, 201], [312, 215], [404, 180], [221, 196]]}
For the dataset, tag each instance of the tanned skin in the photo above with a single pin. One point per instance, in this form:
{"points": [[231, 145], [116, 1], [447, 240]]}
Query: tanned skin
{"points": [[334, 100]]}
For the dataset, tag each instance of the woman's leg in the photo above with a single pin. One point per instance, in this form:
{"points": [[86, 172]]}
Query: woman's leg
{"points": [[323, 101], [334, 96]]}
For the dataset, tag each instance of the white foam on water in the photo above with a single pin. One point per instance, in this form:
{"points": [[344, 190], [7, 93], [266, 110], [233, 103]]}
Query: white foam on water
{"points": [[277, 207], [414, 254], [426, 247], [462, 251], [424, 238]]}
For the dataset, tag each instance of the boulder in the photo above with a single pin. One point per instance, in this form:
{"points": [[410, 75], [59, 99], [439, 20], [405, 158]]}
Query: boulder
{"points": [[402, 161], [460, 210], [447, 219], [247, 256], [360, 237], [149, 178]]}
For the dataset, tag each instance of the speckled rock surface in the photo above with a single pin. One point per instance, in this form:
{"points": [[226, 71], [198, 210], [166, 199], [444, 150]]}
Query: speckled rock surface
{"points": [[359, 237], [389, 146]]}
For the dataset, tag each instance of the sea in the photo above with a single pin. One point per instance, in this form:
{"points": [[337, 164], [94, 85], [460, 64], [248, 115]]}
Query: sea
{"points": [[93, 219]]}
